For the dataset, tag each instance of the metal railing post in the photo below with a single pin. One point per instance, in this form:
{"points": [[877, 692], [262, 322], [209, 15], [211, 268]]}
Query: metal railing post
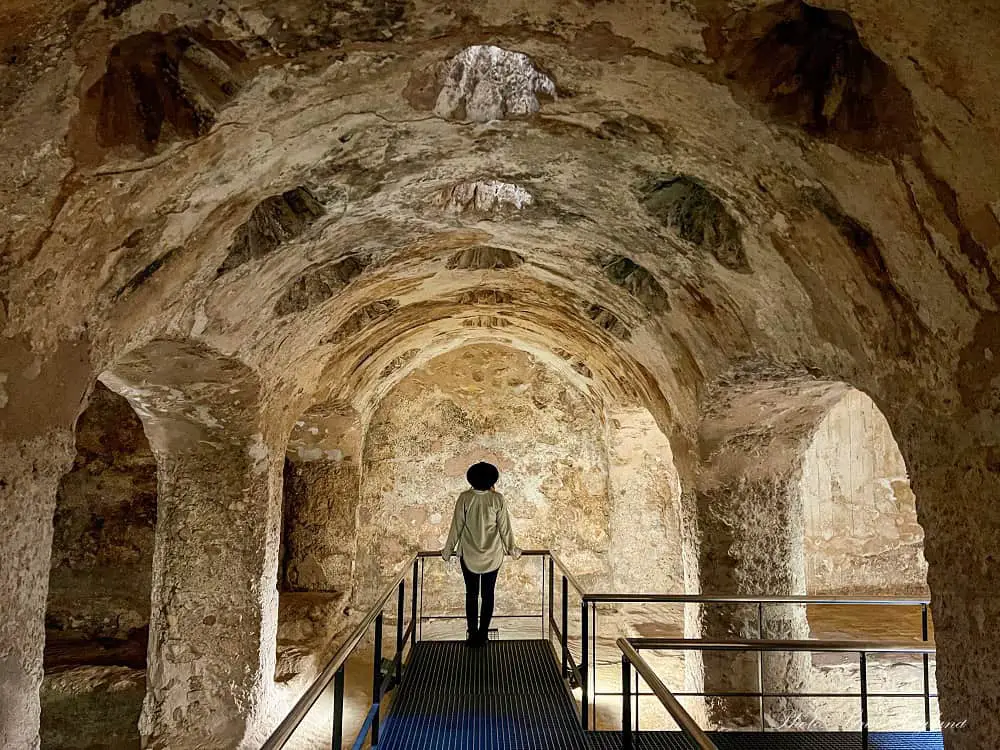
{"points": [[552, 596], [760, 664], [421, 620], [565, 635], [541, 614], [636, 694], [760, 685], [864, 699], [584, 672], [626, 704], [925, 635], [401, 608], [376, 677], [413, 607], [694, 734], [337, 739], [593, 660]]}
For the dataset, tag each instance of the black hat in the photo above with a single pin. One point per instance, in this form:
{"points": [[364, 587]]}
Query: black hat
{"points": [[482, 476]]}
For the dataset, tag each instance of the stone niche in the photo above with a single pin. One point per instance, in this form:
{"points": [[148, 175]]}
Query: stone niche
{"points": [[97, 619], [320, 502], [322, 467]]}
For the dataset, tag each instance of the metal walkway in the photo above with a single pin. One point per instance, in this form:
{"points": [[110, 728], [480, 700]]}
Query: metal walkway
{"points": [[509, 696]]}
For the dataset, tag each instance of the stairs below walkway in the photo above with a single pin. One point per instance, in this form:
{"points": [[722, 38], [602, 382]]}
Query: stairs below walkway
{"points": [[510, 696]]}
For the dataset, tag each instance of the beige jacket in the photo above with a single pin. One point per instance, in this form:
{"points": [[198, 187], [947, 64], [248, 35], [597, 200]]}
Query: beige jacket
{"points": [[480, 531]]}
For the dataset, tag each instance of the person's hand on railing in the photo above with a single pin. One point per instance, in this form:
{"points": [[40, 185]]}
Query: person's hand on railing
{"points": [[515, 552]]}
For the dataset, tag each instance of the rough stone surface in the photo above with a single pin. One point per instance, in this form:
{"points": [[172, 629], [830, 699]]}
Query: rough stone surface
{"points": [[753, 524], [29, 476], [105, 517], [92, 708], [483, 83], [645, 553], [487, 197], [689, 208], [214, 597], [852, 144], [322, 489], [495, 404], [309, 624], [161, 87], [272, 222]]}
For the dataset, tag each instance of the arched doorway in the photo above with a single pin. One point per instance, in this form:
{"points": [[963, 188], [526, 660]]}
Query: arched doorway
{"points": [[97, 614]]}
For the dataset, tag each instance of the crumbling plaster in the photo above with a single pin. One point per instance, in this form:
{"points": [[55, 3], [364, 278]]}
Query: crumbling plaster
{"points": [[872, 258]]}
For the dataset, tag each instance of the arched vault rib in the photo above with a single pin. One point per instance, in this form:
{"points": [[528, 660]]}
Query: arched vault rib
{"points": [[437, 326]]}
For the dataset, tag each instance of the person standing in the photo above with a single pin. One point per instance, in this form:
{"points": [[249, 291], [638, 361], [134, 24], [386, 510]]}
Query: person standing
{"points": [[481, 536]]}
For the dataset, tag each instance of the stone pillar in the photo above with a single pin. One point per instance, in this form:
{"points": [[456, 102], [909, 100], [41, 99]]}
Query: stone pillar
{"points": [[213, 621], [751, 522], [645, 551], [955, 474], [40, 397], [752, 546], [29, 476], [322, 488]]}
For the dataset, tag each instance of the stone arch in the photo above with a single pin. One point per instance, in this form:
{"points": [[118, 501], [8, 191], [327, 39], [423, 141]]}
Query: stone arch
{"points": [[318, 531], [862, 535], [214, 613], [765, 445], [98, 608], [485, 402], [751, 525]]}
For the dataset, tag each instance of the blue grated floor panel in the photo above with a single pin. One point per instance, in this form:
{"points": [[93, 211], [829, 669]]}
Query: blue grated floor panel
{"points": [[509, 696], [777, 741]]}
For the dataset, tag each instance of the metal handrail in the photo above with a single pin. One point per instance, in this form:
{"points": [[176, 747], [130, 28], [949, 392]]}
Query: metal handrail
{"points": [[634, 597], [588, 601], [531, 553], [569, 575], [592, 600], [673, 706], [302, 707], [759, 644], [740, 599]]}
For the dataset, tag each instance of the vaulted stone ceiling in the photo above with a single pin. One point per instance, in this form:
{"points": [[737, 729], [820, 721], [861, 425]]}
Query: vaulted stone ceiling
{"points": [[658, 190], [646, 193]]}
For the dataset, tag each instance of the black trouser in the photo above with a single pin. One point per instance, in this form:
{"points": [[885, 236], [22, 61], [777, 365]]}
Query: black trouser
{"points": [[476, 584]]}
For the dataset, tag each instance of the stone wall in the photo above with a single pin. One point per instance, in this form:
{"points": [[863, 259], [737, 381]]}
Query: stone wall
{"points": [[645, 496], [495, 404], [862, 534]]}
